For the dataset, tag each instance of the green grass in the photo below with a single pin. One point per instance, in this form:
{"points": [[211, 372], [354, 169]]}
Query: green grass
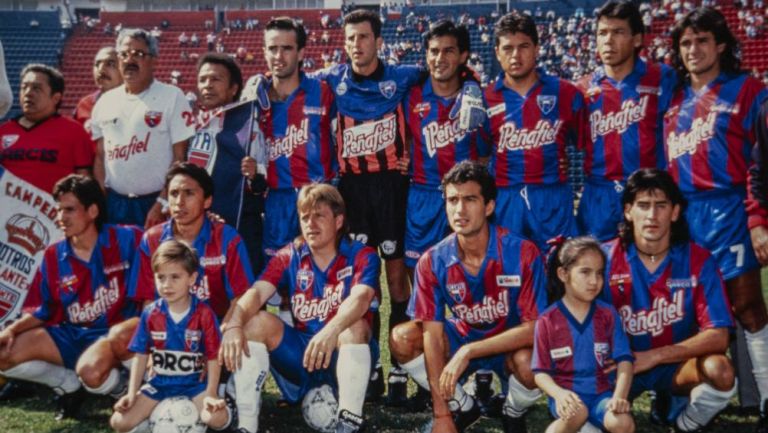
{"points": [[35, 415]]}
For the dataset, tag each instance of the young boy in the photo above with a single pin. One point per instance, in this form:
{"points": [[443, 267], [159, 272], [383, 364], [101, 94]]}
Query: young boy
{"points": [[183, 336]]}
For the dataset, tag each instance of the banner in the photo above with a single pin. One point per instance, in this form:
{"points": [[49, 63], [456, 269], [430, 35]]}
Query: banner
{"points": [[27, 227]]}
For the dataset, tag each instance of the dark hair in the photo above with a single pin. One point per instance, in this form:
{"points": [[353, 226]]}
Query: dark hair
{"points": [[653, 179], [565, 256], [623, 10], [87, 191], [468, 171], [199, 174], [707, 20], [290, 25], [55, 78], [358, 16], [447, 28], [515, 22], [235, 75]]}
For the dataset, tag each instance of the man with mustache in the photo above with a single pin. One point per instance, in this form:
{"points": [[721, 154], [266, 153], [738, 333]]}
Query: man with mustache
{"points": [[107, 77], [141, 127]]}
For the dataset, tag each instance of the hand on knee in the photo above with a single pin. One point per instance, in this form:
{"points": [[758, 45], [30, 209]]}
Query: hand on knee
{"points": [[619, 423]]}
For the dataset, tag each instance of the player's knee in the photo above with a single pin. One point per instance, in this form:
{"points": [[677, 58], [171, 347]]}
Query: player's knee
{"points": [[6, 362], [91, 376], [119, 423], [718, 372], [620, 423], [405, 341], [263, 328], [357, 333], [747, 302], [519, 363], [579, 418]]}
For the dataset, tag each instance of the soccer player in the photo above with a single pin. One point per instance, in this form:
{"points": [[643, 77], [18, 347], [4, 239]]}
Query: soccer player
{"points": [[626, 98], [140, 127], [333, 286], [576, 339], [78, 293], [183, 336], [708, 137], [224, 145], [672, 301], [494, 284], [41, 146], [107, 76], [532, 118]]}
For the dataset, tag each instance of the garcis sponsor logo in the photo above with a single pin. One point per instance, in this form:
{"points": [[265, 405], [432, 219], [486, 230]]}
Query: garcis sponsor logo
{"points": [[513, 138], [176, 363], [687, 142], [662, 314], [439, 135], [488, 311], [134, 147], [369, 138], [293, 139], [103, 299], [631, 112], [306, 308]]}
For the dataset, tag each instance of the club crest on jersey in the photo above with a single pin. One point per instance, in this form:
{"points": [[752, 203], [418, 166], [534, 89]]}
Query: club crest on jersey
{"points": [[341, 89], [620, 281], [594, 91], [602, 353], [9, 140], [203, 150], [192, 339], [422, 109], [304, 279], [388, 88], [68, 281], [153, 118], [546, 103], [457, 291]]}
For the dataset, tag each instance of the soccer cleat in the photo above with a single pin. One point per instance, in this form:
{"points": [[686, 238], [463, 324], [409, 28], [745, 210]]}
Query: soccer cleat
{"points": [[349, 423], [15, 389], [484, 391], [68, 405], [397, 388], [464, 419], [762, 421], [420, 401], [660, 403], [512, 424], [375, 385]]}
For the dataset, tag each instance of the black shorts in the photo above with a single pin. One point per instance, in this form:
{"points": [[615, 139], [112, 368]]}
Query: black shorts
{"points": [[376, 205]]}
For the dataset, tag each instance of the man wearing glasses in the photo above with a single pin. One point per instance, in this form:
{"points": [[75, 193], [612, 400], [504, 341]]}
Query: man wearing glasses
{"points": [[141, 128]]}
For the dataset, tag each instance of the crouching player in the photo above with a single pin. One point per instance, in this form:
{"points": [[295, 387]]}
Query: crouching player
{"points": [[333, 285], [182, 334], [672, 302], [576, 339], [493, 283]]}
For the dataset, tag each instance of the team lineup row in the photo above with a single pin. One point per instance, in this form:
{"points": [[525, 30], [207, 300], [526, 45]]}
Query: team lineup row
{"points": [[702, 122]]}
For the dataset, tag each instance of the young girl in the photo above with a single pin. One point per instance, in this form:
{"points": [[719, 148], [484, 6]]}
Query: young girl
{"points": [[183, 336], [577, 340]]}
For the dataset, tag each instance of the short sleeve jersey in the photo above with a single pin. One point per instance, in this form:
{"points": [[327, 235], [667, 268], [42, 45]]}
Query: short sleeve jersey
{"points": [[93, 294], [179, 351], [575, 354], [316, 294], [684, 296], [224, 274], [139, 132], [46, 152], [508, 290]]}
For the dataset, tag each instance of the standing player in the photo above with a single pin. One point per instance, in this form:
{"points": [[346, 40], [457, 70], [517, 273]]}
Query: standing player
{"points": [[532, 118], [708, 137], [672, 301], [79, 292], [493, 283], [333, 285], [106, 76], [141, 127], [41, 146], [626, 100]]}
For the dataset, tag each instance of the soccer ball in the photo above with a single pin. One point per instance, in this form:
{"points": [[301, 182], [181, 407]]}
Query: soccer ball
{"points": [[176, 415], [319, 409]]}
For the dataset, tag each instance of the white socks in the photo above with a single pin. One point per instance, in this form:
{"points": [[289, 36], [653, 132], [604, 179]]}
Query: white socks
{"points": [[353, 368], [62, 380], [112, 381], [757, 346], [705, 403], [417, 369], [519, 398], [249, 380]]}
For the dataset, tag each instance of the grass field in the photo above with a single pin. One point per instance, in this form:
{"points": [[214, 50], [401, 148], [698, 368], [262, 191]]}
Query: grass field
{"points": [[35, 415]]}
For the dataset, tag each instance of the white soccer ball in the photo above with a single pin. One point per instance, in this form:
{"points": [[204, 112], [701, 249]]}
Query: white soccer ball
{"points": [[319, 409], [176, 415]]}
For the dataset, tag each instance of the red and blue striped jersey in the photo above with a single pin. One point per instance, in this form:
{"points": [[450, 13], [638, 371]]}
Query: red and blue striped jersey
{"points": [[575, 354], [90, 294], [298, 138], [684, 296], [316, 294], [180, 351], [224, 274], [437, 143], [626, 120], [508, 290], [708, 135], [530, 132]]}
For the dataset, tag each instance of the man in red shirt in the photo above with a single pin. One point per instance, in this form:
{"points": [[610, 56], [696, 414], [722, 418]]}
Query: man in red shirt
{"points": [[106, 76]]}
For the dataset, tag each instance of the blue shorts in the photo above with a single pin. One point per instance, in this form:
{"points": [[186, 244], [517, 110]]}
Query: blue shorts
{"points": [[160, 392], [287, 366], [73, 340], [281, 222], [537, 212], [495, 363], [597, 405], [719, 223], [122, 209], [600, 211], [425, 221]]}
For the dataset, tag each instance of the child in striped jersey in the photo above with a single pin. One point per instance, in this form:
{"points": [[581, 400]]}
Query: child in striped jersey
{"points": [[579, 342]]}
